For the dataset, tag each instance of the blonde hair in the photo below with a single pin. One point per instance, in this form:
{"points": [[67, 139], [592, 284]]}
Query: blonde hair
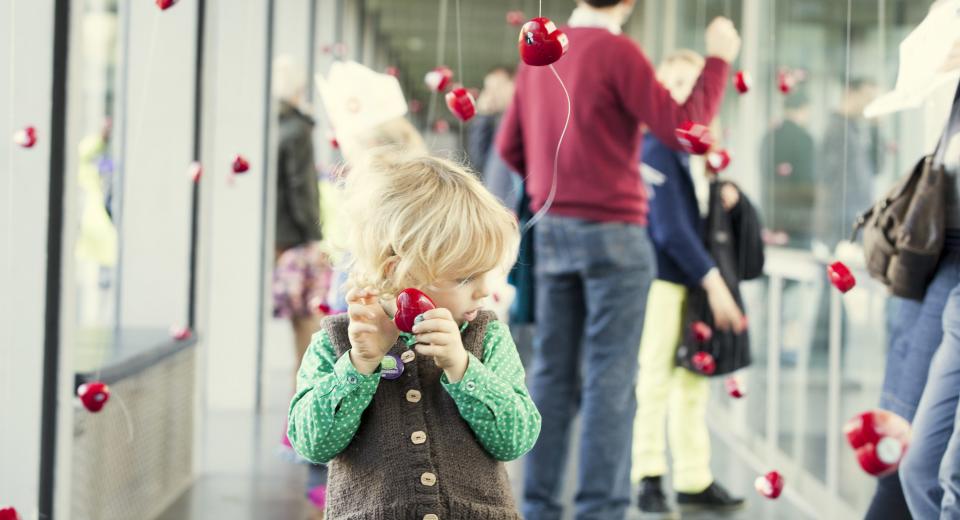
{"points": [[669, 69], [414, 220], [395, 135]]}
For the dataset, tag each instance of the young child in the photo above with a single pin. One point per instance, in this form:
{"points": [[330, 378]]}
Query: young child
{"points": [[427, 444]]}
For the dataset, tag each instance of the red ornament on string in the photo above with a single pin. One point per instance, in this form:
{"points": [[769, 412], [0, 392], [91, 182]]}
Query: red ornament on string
{"points": [[742, 81], [9, 513], [841, 277], [702, 332], [441, 126], [93, 395], [332, 139], [240, 164], [735, 387], [770, 485], [439, 78], [880, 440], [515, 18], [718, 160], [461, 103], [25, 138], [541, 43], [195, 171], [694, 138], [704, 363], [411, 303], [392, 71], [166, 4], [180, 333], [784, 169], [786, 80]]}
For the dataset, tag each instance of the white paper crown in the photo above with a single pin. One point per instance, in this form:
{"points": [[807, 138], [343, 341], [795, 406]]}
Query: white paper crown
{"points": [[358, 99]]}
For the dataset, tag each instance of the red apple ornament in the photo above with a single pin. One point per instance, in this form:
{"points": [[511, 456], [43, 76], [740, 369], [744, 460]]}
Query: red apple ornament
{"points": [[702, 332], [718, 160], [541, 43], [94, 395], [411, 303], [195, 171], [439, 78], [240, 164], [704, 363], [180, 333], [25, 138], [742, 81], [9, 513], [166, 4], [392, 71], [735, 387], [880, 439], [461, 103], [786, 80], [770, 485], [515, 18], [841, 277], [694, 138]]}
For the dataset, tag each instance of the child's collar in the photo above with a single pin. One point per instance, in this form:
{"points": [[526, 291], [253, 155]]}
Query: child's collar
{"points": [[410, 340]]}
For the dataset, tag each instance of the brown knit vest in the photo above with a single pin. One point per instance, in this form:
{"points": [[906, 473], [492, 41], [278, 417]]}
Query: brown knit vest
{"points": [[383, 475]]}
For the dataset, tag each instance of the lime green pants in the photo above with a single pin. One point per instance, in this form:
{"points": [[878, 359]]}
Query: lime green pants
{"points": [[667, 393]]}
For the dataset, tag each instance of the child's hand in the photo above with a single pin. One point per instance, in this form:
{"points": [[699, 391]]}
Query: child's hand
{"points": [[371, 331], [438, 336]]}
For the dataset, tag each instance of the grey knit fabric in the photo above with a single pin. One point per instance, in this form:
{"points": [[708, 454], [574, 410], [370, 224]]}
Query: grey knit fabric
{"points": [[378, 476]]}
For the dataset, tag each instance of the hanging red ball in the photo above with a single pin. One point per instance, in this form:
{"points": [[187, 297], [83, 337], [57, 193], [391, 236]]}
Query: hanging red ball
{"points": [[786, 80], [332, 139], [742, 81], [240, 164], [704, 363], [841, 277], [392, 71], [166, 4], [541, 43], [94, 395], [411, 303], [880, 440], [770, 485], [694, 138], [25, 138], [718, 160], [180, 333], [516, 18], [195, 172], [441, 126], [461, 103], [702, 332], [439, 78], [735, 387], [9, 513]]}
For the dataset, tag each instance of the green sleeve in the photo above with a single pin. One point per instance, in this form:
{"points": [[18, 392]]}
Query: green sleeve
{"points": [[331, 396], [493, 398]]}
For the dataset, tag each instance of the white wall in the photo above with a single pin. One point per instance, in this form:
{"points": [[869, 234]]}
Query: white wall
{"points": [[24, 181]]}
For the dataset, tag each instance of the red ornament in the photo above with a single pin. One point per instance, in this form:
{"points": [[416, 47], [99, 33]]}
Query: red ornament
{"points": [[392, 71], [718, 160], [415, 106], [240, 164], [770, 485], [704, 363], [694, 138], [411, 303], [735, 387], [786, 80], [784, 169], [441, 126], [461, 103], [515, 18], [742, 81], [25, 138], [195, 171], [9, 513], [439, 78], [166, 4], [93, 395], [841, 277], [180, 333], [702, 332], [332, 139], [880, 439], [541, 43]]}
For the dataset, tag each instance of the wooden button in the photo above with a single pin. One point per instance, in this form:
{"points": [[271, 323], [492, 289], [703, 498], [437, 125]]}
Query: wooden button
{"points": [[408, 356], [418, 437], [413, 396], [428, 479], [431, 516]]}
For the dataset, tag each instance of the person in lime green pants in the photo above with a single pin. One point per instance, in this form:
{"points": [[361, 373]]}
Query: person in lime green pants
{"points": [[665, 390]]}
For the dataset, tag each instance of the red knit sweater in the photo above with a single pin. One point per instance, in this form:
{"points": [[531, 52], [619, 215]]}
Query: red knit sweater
{"points": [[614, 89]]}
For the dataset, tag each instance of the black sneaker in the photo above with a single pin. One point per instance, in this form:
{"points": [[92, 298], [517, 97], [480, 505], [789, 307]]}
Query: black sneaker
{"points": [[714, 498], [652, 502]]}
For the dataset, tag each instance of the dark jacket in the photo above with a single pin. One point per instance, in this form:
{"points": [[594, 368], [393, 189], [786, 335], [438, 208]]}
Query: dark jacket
{"points": [[298, 196]]}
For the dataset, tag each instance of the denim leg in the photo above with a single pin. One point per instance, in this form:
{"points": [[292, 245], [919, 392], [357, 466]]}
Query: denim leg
{"points": [[617, 278], [554, 385], [950, 471], [934, 421]]}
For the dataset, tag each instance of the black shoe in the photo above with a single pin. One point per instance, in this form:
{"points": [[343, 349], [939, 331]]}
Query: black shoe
{"points": [[652, 501], [714, 498]]}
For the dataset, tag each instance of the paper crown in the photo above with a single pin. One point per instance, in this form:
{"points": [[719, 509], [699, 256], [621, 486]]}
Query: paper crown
{"points": [[358, 99]]}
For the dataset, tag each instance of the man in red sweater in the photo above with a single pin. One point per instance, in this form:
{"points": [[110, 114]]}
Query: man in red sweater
{"points": [[594, 261]]}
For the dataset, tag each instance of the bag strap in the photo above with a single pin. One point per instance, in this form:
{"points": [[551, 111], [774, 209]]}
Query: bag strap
{"points": [[953, 126]]}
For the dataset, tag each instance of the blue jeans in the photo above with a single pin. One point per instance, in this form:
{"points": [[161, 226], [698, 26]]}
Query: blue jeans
{"points": [[592, 282], [930, 472], [914, 331]]}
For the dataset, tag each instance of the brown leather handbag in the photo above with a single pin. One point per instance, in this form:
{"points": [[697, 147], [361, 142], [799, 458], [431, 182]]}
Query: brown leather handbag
{"points": [[903, 233]]}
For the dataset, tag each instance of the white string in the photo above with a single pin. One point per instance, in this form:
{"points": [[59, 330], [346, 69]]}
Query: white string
{"points": [[846, 126], [541, 9], [556, 157], [441, 53], [126, 416], [9, 223], [459, 65]]}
